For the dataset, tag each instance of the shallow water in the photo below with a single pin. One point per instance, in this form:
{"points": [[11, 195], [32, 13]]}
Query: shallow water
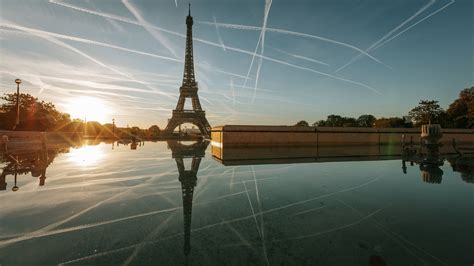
{"points": [[108, 205]]}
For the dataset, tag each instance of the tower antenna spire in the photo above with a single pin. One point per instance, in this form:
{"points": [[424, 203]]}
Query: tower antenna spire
{"points": [[189, 10], [188, 89]]}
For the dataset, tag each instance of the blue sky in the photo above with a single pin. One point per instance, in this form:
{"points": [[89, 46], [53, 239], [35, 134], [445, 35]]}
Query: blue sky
{"points": [[314, 58]]}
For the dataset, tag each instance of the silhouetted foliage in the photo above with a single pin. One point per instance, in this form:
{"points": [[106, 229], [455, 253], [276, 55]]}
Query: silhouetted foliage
{"points": [[153, 132], [461, 112], [302, 123], [366, 121], [34, 114], [391, 122], [337, 121], [427, 112]]}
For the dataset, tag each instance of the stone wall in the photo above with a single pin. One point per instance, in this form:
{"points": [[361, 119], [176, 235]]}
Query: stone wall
{"points": [[37, 136], [258, 136]]}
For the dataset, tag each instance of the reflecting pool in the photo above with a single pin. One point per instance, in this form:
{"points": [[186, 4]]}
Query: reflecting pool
{"points": [[172, 203]]}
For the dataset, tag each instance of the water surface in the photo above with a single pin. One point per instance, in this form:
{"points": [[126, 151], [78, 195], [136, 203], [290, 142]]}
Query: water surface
{"points": [[172, 204]]}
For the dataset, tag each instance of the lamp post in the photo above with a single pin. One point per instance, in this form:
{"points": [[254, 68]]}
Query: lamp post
{"points": [[113, 126], [17, 122]]}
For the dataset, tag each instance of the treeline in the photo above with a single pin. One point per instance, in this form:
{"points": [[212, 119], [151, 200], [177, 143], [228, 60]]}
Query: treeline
{"points": [[460, 114], [36, 115]]}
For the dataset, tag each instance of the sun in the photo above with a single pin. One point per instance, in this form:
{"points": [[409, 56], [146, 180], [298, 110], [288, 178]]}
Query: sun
{"points": [[89, 108]]}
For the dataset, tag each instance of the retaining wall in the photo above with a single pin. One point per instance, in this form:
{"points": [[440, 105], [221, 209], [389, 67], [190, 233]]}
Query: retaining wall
{"points": [[258, 136]]}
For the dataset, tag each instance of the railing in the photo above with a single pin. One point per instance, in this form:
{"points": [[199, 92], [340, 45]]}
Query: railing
{"points": [[187, 111]]}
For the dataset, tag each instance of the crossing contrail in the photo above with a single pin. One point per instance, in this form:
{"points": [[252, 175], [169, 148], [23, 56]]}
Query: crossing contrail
{"points": [[105, 15], [155, 34], [301, 57], [413, 25], [268, 4], [324, 74], [73, 49], [371, 47], [92, 42], [219, 37], [82, 40], [295, 33], [233, 91]]}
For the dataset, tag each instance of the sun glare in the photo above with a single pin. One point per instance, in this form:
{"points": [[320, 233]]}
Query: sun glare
{"points": [[86, 155], [89, 108]]}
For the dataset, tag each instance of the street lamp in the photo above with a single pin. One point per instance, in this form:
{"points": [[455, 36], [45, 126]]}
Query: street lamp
{"points": [[17, 122]]}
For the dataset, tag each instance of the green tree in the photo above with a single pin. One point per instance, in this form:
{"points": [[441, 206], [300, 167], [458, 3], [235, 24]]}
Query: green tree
{"points": [[426, 112], [461, 112], [302, 123], [34, 114]]}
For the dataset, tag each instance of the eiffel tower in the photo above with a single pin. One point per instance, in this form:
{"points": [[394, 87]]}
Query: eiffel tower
{"points": [[188, 89], [188, 180]]}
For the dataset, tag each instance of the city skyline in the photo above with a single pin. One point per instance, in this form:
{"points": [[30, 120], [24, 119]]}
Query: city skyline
{"points": [[256, 63]]}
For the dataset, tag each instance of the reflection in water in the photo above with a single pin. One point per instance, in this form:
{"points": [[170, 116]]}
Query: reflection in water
{"points": [[188, 179], [86, 155], [34, 161], [430, 166], [465, 166], [302, 206], [134, 143]]}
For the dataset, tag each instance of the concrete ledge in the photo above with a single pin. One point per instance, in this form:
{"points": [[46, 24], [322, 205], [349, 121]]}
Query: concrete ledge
{"points": [[39, 136], [256, 128], [268, 136]]}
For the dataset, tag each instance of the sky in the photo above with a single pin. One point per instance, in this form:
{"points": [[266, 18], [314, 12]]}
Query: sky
{"points": [[256, 62]]}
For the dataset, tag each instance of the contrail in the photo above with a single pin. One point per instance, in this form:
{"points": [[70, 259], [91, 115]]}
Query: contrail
{"points": [[301, 57], [86, 83], [355, 58], [157, 35], [233, 93], [84, 226], [300, 34], [262, 228], [268, 4], [210, 68], [88, 41], [288, 64], [253, 58], [176, 3], [69, 47], [219, 37], [413, 25], [253, 215], [394, 236], [233, 48], [149, 236], [323, 73]]}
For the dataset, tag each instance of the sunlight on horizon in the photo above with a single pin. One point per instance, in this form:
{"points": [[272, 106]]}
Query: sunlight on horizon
{"points": [[89, 108]]}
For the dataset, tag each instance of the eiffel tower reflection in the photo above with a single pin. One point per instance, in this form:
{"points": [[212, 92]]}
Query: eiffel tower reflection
{"points": [[188, 180]]}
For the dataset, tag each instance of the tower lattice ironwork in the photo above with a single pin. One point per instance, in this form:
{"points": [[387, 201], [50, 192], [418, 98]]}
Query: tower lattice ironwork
{"points": [[188, 89], [188, 180]]}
